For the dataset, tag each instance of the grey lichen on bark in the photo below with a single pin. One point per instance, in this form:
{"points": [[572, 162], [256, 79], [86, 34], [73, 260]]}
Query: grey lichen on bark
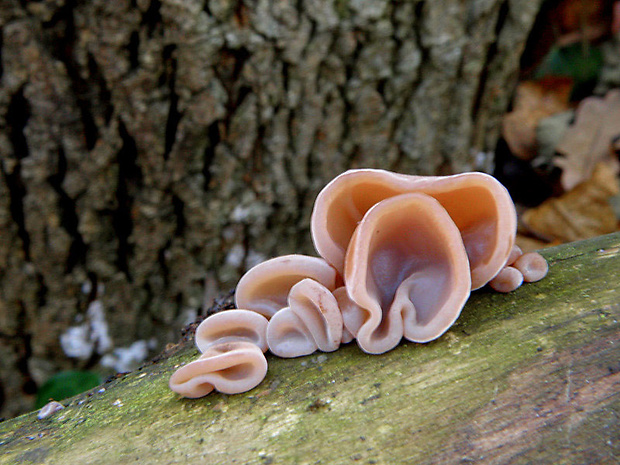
{"points": [[154, 150]]}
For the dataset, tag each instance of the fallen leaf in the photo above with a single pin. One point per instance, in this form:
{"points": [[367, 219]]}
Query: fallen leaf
{"points": [[549, 133], [615, 22], [588, 141], [534, 100], [570, 16], [583, 212]]}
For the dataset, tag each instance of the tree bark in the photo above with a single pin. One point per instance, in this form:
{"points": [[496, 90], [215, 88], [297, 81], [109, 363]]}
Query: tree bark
{"points": [[527, 377], [152, 150]]}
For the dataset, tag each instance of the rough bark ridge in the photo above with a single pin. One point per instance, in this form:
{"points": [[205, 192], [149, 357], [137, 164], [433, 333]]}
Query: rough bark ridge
{"points": [[153, 150]]}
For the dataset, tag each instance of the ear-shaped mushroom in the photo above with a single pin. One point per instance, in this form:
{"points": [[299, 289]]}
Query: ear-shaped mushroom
{"points": [[232, 325], [229, 367], [479, 206], [507, 280], [311, 321], [265, 288], [532, 266], [407, 271]]}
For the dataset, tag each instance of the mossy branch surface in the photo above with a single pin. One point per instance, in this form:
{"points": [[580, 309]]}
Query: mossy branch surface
{"points": [[527, 377]]}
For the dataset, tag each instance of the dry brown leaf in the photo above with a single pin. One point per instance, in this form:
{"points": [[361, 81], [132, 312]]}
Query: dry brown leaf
{"points": [[580, 213], [534, 100], [574, 15], [588, 141], [578, 20]]}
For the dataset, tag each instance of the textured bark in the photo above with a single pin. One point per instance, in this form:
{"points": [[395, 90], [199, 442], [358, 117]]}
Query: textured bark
{"points": [[152, 150], [527, 377]]}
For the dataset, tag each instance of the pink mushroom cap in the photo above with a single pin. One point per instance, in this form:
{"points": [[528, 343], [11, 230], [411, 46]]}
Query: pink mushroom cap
{"points": [[232, 325], [507, 280], [265, 287], [229, 367], [311, 321], [532, 266], [406, 273], [479, 205]]}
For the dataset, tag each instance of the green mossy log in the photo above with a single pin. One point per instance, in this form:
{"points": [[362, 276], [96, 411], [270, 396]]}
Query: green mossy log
{"points": [[527, 377]]}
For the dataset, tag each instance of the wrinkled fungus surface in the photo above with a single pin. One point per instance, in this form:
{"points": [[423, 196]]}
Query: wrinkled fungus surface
{"points": [[399, 257], [311, 321], [229, 367], [230, 326], [407, 271]]}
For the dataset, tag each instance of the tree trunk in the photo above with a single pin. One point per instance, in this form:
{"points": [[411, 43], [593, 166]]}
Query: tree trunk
{"points": [[527, 377], [152, 150]]}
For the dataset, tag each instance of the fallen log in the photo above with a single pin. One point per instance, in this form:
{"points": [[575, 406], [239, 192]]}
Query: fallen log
{"points": [[527, 377]]}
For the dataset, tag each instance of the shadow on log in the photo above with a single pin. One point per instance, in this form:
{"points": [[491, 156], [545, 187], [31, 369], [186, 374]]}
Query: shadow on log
{"points": [[527, 377]]}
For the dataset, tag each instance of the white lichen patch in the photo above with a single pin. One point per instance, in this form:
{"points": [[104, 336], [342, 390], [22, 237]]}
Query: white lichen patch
{"points": [[235, 256], [126, 359], [92, 336]]}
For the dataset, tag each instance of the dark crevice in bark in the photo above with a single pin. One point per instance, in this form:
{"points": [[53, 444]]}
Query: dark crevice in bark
{"points": [[1, 50], [17, 192], [41, 291], [63, 37], [152, 17], [94, 283], [242, 93], [257, 154], [133, 49], [301, 239], [502, 15], [285, 77], [163, 265], [213, 133], [229, 71], [129, 178], [29, 387], [246, 242], [174, 116], [206, 8], [68, 214], [104, 94], [17, 115], [539, 40], [178, 208], [349, 110], [417, 32]]}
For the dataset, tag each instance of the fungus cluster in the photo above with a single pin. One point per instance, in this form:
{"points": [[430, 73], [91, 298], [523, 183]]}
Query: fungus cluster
{"points": [[399, 257]]}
